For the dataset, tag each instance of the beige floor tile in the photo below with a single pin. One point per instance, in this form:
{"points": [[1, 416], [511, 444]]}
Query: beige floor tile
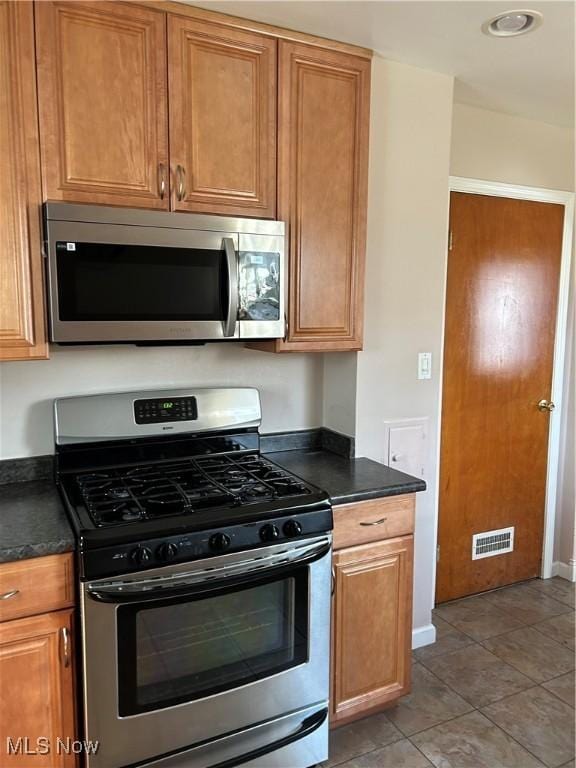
{"points": [[351, 741], [571, 764], [448, 639], [563, 687], [472, 741], [560, 628], [401, 754], [431, 702], [477, 618], [532, 653], [526, 604], [560, 589], [540, 722], [477, 675]]}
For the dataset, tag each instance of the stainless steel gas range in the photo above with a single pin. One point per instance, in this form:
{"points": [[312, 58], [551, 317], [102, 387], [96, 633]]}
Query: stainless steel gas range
{"points": [[204, 583]]}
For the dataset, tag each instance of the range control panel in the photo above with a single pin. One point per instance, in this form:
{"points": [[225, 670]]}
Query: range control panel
{"points": [[152, 553], [159, 410]]}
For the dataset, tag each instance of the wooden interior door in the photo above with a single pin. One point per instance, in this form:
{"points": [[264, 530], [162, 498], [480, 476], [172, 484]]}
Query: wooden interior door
{"points": [[222, 118], [103, 103], [36, 684], [22, 321], [324, 113], [371, 626], [501, 304]]}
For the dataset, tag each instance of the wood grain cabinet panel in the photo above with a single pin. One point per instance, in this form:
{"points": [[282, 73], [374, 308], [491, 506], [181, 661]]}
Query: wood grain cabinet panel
{"points": [[103, 103], [222, 96], [371, 627], [37, 585], [37, 693], [22, 320], [323, 129]]}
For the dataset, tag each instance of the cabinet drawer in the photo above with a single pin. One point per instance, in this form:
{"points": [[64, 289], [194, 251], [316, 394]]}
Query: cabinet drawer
{"points": [[374, 520], [38, 585]]}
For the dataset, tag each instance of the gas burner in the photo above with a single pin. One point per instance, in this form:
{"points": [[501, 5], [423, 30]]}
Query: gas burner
{"points": [[123, 496]]}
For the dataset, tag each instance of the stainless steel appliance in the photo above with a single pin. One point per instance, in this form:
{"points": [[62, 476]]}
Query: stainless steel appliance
{"points": [[205, 581], [121, 275]]}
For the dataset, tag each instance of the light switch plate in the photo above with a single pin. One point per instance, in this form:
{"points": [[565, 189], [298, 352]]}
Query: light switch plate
{"points": [[425, 365]]}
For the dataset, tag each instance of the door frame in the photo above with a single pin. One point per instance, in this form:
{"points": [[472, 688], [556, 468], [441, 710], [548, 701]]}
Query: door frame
{"points": [[542, 195]]}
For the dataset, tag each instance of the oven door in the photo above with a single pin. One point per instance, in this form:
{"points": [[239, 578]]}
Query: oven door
{"points": [[186, 654], [114, 282]]}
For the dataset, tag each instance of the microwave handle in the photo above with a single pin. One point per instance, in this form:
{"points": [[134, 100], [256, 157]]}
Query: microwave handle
{"points": [[232, 264]]}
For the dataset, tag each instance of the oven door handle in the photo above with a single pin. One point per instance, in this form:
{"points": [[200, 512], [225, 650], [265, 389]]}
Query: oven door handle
{"points": [[229, 325], [307, 726], [209, 580]]}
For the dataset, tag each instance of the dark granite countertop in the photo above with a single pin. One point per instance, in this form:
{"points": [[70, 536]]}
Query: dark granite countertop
{"points": [[33, 521], [347, 480]]}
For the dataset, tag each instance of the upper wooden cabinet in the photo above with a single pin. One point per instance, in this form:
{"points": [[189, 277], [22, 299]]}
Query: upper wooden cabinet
{"points": [[323, 126], [22, 334], [222, 102], [322, 166], [103, 106]]}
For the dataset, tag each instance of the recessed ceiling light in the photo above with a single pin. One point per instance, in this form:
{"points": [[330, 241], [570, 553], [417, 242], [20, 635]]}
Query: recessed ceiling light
{"points": [[512, 23]]}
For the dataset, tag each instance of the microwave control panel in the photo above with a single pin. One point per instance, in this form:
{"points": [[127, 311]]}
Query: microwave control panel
{"points": [[159, 410]]}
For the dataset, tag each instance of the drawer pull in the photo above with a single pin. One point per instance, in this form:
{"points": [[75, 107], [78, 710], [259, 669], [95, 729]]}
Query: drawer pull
{"points": [[376, 522], [65, 646], [8, 595]]}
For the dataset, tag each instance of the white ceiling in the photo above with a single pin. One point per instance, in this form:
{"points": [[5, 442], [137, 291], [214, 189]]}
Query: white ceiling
{"points": [[531, 76]]}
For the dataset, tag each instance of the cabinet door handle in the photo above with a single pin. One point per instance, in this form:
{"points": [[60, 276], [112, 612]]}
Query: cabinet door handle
{"points": [[180, 182], [8, 595], [376, 522], [65, 635], [333, 581], [161, 180]]}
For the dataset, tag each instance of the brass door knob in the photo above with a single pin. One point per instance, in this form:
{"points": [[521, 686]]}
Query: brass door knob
{"points": [[546, 405]]}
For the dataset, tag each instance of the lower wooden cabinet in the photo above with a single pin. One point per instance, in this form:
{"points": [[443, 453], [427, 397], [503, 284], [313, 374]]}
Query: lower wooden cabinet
{"points": [[371, 627], [36, 691]]}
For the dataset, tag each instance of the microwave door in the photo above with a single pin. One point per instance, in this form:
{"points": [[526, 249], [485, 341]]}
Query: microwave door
{"points": [[118, 283]]}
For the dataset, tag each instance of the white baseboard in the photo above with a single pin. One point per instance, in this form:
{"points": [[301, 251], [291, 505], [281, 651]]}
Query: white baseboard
{"points": [[423, 636], [564, 570]]}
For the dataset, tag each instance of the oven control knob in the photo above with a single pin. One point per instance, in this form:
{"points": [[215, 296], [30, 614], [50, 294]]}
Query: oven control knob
{"points": [[219, 542], [269, 532], [167, 551], [141, 555], [292, 528]]}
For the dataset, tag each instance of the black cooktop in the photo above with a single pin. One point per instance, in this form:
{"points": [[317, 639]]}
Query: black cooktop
{"points": [[122, 496]]}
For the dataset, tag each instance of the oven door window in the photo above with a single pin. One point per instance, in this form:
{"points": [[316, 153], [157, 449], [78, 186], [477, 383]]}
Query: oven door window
{"points": [[179, 650], [104, 282]]}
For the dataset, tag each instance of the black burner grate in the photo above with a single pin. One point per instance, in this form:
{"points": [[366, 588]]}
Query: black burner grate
{"points": [[120, 496]]}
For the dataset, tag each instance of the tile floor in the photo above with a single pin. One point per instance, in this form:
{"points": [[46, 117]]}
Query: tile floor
{"points": [[496, 690]]}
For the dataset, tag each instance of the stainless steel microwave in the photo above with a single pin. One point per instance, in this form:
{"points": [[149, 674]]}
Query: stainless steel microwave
{"points": [[124, 275]]}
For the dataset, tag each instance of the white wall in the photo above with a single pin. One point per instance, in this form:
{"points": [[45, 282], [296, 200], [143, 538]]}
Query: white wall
{"points": [[405, 269], [498, 147], [290, 385]]}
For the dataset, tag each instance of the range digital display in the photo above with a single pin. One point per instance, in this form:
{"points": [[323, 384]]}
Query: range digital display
{"points": [[157, 410]]}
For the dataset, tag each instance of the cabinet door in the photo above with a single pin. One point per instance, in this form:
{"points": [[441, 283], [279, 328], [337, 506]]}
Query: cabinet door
{"points": [[22, 322], [323, 129], [37, 701], [371, 626], [102, 96], [222, 85]]}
